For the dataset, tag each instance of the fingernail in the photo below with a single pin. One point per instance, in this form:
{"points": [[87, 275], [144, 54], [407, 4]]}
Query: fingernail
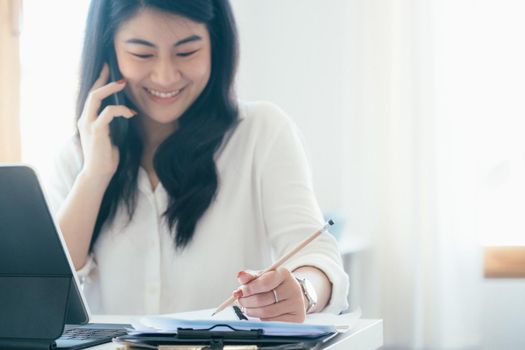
{"points": [[133, 111], [237, 293], [121, 81], [242, 273]]}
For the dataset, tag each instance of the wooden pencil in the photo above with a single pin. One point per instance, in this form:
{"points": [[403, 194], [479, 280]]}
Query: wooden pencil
{"points": [[281, 261]]}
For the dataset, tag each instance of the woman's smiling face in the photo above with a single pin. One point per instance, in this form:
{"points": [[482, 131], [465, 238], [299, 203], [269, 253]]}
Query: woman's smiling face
{"points": [[166, 60]]}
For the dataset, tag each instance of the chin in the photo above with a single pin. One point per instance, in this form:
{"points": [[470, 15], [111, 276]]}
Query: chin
{"points": [[165, 118]]}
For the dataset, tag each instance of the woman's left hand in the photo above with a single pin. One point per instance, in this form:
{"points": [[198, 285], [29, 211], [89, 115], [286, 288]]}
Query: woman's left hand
{"points": [[273, 296]]}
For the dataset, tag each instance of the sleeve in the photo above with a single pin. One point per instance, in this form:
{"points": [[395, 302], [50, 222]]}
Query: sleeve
{"points": [[66, 166], [291, 212], [59, 183]]}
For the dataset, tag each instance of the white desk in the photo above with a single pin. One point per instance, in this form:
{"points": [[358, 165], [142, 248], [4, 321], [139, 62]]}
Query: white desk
{"points": [[365, 335]]}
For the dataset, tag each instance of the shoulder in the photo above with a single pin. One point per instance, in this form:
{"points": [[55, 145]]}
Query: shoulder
{"points": [[259, 124], [263, 117], [262, 126], [262, 112]]}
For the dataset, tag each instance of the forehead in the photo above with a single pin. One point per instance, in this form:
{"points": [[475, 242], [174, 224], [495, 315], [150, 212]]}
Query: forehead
{"points": [[159, 27]]}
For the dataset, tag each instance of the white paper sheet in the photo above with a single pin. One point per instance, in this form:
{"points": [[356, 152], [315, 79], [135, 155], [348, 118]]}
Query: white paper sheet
{"points": [[315, 324]]}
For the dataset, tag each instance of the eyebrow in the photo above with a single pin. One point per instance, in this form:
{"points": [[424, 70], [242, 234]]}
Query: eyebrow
{"points": [[150, 44]]}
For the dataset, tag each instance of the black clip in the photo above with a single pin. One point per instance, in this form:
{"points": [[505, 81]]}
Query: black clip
{"points": [[239, 313], [209, 333]]}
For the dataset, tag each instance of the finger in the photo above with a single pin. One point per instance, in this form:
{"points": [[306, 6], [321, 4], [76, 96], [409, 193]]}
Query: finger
{"points": [[283, 292], [274, 310], [102, 77], [95, 105], [264, 283], [110, 112], [247, 275], [95, 97], [108, 89], [257, 300]]}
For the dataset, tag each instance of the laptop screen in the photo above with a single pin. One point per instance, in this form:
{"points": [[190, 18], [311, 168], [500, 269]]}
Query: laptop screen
{"points": [[30, 244]]}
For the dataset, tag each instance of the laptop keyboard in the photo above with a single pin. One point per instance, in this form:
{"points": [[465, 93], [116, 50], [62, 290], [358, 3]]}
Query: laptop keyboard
{"points": [[87, 333], [84, 336]]}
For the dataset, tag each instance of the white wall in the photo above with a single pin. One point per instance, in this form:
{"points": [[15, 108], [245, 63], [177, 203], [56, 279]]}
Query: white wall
{"points": [[292, 55], [503, 314]]}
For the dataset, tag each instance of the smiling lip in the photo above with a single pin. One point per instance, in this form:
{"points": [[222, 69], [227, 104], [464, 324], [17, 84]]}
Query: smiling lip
{"points": [[163, 97]]}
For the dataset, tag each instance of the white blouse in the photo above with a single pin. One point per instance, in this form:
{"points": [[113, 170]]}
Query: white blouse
{"points": [[264, 206]]}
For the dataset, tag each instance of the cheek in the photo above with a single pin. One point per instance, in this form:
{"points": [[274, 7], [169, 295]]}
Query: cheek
{"points": [[133, 71], [200, 71]]}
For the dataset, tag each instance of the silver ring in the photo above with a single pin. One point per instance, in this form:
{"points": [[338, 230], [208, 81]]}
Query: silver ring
{"points": [[275, 296]]}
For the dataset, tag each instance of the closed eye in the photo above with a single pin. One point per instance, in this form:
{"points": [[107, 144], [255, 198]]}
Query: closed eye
{"points": [[186, 54], [142, 56]]}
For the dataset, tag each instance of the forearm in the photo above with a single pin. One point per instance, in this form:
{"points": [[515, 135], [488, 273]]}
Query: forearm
{"points": [[78, 214], [321, 283]]}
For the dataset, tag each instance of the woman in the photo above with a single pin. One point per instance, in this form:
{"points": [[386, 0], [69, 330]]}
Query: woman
{"points": [[200, 185]]}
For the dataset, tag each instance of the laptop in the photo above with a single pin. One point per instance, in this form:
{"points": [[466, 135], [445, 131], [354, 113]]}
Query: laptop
{"points": [[41, 305]]}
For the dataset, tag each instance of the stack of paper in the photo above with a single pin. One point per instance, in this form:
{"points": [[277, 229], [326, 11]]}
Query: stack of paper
{"points": [[314, 326]]}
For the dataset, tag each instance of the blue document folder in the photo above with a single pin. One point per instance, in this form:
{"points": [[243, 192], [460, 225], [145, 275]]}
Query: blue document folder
{"points": [[199, 328], [226, 321]]}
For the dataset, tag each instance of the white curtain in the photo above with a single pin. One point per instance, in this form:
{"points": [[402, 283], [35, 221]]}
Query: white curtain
{"points": [[392, 180], [366, 82], [435, 151]]}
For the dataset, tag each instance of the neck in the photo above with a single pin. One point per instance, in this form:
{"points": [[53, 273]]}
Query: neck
{"points": [[153, 134]]}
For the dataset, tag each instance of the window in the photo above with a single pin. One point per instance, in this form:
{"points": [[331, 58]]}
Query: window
{"points": [[50, 47]]}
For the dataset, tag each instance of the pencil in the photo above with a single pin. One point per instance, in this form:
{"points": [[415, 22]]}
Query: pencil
{"points": [[281, 261]]}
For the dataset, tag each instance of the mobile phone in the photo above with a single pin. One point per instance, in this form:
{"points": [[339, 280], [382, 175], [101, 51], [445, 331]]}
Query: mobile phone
{"points": [[119, 125]]}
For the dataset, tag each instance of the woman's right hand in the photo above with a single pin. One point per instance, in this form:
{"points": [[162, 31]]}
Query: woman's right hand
{"points": [[101, 157]]}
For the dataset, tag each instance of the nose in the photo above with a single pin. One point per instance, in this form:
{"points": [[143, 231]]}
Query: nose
{"points": [[165, 72]]}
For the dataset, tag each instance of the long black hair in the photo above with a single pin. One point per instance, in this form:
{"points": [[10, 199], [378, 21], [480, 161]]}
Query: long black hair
{"points": [[184, 162]]}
